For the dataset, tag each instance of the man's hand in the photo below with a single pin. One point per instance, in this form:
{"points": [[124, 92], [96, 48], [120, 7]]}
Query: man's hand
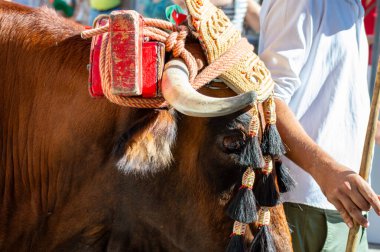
{"points": [[345, 189], [349, 193]]}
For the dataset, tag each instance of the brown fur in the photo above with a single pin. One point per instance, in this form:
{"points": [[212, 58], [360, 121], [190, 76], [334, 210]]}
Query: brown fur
{"points": [[60, 189], [149, 148]]}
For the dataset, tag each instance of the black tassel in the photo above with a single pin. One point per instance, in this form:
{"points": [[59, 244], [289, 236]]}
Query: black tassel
{"points": [[236, 244], [263, 241], [285, 182], [265, 191], [251, 154], [271, 143], [243, 206]]}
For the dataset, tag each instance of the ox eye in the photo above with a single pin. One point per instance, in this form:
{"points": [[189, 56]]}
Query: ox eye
{"points": [[234, 143]]}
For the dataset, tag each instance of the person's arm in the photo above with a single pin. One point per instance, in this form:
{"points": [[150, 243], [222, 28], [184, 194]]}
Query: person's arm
{"points": [[284, 49], [345, 189], [253, 15]]}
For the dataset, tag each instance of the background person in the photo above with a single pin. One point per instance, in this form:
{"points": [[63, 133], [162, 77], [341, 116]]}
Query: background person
{"points": [[317, 53]]}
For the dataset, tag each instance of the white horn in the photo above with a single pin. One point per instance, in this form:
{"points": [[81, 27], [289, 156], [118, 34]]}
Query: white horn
{"points": [[178, 92]]}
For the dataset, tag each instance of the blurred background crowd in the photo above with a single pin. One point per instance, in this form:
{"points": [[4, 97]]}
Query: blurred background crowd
{"points": [[84, 11], [243, 13]]}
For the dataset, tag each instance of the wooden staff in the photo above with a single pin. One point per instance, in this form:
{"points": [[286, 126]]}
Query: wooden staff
{"points": [[366, 164]]}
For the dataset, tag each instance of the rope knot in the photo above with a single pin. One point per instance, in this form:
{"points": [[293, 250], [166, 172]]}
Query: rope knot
{"points": [[176, 43]]}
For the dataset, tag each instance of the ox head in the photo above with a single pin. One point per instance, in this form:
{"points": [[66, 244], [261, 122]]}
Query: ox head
{"points": [[178, 176], [86, 175], [179, 173], [187, 170], [218, 39], [151, 138]]}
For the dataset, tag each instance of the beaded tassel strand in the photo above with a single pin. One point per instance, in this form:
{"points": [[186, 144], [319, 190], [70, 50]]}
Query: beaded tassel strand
{"points": [[243, 206], [236, 243], [272, 145], [263, 241], [251, 154]]}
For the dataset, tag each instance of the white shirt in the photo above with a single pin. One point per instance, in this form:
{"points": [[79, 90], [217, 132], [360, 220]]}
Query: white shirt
{"points": [[317, 53]]}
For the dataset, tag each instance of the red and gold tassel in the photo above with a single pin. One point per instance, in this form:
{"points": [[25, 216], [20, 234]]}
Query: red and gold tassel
{"points": [[236, 243], [251, 155], [271, 143], [243, 206], [263, 241]]}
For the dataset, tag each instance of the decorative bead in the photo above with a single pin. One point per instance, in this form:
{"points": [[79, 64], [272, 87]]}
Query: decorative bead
{"points": [[248, 178], [264, 217], [268, 168], [254, 124], [270, 110], [239, 228]]}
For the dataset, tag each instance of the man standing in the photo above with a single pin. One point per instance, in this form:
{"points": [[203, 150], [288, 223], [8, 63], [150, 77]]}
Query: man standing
{"points": [[317, 53]]}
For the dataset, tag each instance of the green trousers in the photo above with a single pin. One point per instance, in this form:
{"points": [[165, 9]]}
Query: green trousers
{"points": [[315, 229]]}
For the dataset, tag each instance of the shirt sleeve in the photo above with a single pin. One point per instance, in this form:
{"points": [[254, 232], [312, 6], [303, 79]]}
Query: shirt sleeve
{"points": [[285, 38]]}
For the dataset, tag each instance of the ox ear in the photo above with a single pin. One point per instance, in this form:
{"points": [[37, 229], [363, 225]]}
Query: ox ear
{"points": [[146, 147]]}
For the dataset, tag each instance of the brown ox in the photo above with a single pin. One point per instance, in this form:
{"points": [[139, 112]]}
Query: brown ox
{"points": [[61, 189]]}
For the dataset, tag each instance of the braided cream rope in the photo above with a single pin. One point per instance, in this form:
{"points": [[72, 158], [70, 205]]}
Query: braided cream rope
{"points": [[217, 34], [174, 41], [153, 28], [95, 31], [224, 63], [174, 38], [105, 69]]}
